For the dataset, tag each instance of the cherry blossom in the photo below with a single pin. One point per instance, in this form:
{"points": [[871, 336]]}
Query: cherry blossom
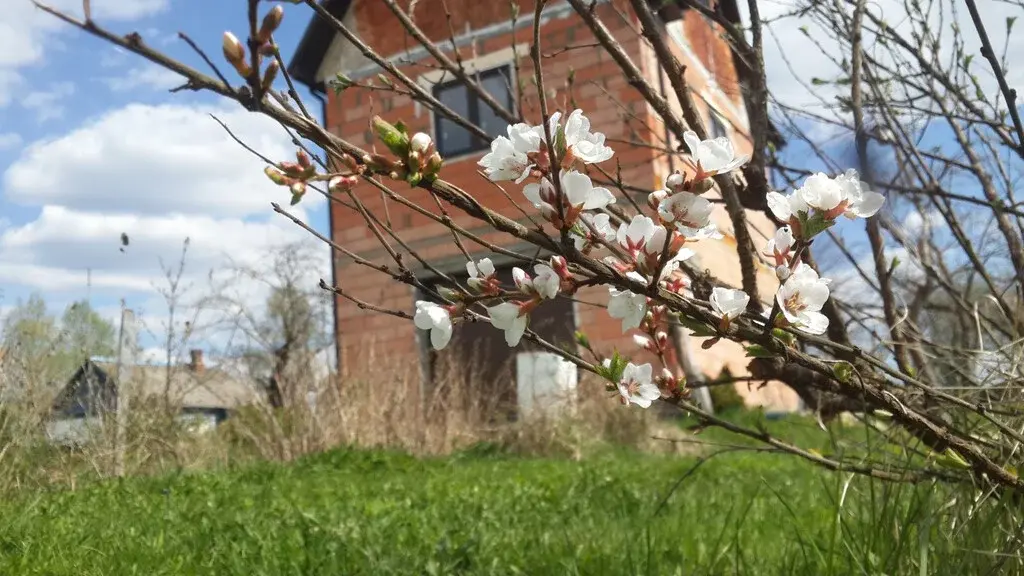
{"points": [[436, 318], [584, 145], [626, 305], [801, 297], [636, 386], [644, 241], [713, 156], [510, 317], [860, 202], [780, 247], [595, 226], [690, 213], [579, 193], [727, 303], [481, 275], [509, 156], [828, 197], [544, 285]]}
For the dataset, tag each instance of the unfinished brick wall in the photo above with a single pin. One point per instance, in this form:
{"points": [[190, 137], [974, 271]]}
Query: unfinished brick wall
{"points": [[576, 76]]}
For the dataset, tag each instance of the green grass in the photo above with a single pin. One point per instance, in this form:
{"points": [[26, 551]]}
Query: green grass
{"points": [[478, 512]]}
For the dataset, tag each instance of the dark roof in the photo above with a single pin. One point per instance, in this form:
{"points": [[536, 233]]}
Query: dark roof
{"points": [[315, 42]]}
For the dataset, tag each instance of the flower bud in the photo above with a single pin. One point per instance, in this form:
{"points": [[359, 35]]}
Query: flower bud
{"points": [[275, 176], [303, 158], [434, 164], [644, 342], [561, 267], [661, 339], [234, 52], [342, 183], [654, 198], [448, 293], [675, 182], [270, 23], [298, 187], [703, 185], [420, 143], [782, 272], [269, 75], [349, 162]]}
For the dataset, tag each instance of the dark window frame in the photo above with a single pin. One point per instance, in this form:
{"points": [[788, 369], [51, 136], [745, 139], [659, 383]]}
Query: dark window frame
{"points": [[473, 106]]}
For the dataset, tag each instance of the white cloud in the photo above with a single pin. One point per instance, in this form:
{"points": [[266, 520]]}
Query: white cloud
{"points": [[150, 76], [9, 140], [48, 104], [154, 160], [159, 174], [27, 32]]}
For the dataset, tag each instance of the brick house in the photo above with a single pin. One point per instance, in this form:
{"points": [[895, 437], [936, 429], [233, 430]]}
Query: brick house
{"points": [[578, 74]]}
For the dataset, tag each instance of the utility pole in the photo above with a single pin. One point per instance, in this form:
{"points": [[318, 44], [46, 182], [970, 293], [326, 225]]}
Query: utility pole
{"points": [[126, 361]]}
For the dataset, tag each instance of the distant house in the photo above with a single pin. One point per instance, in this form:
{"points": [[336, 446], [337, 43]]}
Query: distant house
{"points": [[202, 397]]}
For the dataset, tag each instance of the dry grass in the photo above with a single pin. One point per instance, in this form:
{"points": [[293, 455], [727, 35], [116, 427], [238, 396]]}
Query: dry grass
{"points": [[386, 406]]}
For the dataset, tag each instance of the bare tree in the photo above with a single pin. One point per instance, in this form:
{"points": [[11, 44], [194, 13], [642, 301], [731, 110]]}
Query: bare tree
{"points": [[881, 350]]}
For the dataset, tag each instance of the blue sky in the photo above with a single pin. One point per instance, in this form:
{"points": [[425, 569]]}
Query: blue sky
{"points": [[92, 144]]}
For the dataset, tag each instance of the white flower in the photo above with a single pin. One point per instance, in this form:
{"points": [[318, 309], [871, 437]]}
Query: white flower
{"points": [[636, 386], [420, 143], [586, 146], [507, 316], [845, 194], [479, 272], [644, 241], [545, 284], [821, 192], [579, 190], [861, 202], [780, 246], [672, 264], [786, 207], [713, 156], [600, 227], [508, 158], [728, 303], [687, 211], [433, 317], [640, 232], [801, 298], [627, 306]]}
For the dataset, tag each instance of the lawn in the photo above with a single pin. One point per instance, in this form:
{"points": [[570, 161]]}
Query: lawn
{"points": [[476, 512]]}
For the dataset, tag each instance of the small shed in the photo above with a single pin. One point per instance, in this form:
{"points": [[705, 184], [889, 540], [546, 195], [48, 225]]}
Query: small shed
{"points": [[204, 397]]}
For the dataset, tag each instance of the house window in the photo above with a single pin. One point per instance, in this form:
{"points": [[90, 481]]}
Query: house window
{"points": [[454, 140], [717, 127]]}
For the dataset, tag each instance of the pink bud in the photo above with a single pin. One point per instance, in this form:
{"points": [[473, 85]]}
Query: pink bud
{"points": [[303, 158], [661, 338], [342, 183]]}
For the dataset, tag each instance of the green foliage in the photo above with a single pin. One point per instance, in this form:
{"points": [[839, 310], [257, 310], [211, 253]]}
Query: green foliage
{"points": [[486, 512]]}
